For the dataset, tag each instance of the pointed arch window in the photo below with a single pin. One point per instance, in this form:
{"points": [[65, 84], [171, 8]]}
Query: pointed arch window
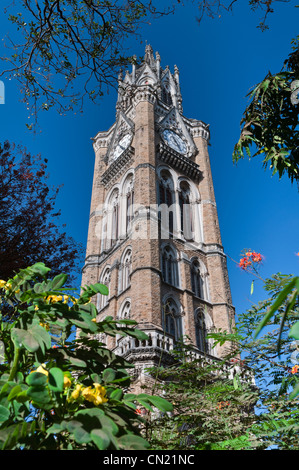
{"points": [[129, 201], [166, 201], [172, 319], [104, 279], [186, 210], [197, 283], [201, 328], [170, 266], [125, 270], [115, 222], [165, 93], [124, 314], [110, 233]]}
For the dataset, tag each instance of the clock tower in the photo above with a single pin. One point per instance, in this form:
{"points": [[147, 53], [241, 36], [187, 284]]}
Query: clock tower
{"points": [[154, 236]]}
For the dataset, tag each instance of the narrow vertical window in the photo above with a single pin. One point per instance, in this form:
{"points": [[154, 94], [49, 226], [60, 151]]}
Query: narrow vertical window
{"points": [[197, 279], [166, 199], [169, 265], [128, 195], [172, 319], [201, 332], [126, 269], [115, 222], [186, 211], [105, 279]]}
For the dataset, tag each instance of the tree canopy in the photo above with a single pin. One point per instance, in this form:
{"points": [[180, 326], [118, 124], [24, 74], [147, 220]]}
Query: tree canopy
{"points": [[29, 224], [64, 51]]}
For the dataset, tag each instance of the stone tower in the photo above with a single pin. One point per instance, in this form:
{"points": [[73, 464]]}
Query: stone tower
{"points": [[154, 236]]}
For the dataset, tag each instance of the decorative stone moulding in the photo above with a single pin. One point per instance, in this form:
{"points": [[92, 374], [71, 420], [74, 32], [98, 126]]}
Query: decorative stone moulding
{"points": [[176, 160], [118, 166], [144, 93], [200, 129]]}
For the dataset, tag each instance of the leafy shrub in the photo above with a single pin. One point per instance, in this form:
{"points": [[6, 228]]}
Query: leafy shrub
{"points": [[59, 390]]}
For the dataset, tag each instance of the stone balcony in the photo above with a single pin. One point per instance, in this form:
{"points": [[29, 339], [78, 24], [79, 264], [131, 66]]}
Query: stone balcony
{"points": [[159, 346]]}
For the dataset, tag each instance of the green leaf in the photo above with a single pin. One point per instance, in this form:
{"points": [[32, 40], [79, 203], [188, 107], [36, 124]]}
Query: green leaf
{"points": [[34, 338], [14, 392], [160, 403], [56, 379], [278, 302], [109, 375], [116, 394], [294, 331], [25, 338], [39, 395], [37, 379], [100, 438], [4, 413], [58, 281], [132, 442], [295, 392], [81, 435]]}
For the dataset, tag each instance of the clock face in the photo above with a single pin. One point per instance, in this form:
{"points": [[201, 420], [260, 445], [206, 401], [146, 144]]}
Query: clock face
{"points": [[122, 145], [174, 141]]}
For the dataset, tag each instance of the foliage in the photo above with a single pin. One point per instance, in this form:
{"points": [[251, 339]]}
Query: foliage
{"points": [[28, 227], [57, 392], [270, 121], [214, 8], [271, 358], [62, 42], [211, 408], [217, 406], [64, 51]]}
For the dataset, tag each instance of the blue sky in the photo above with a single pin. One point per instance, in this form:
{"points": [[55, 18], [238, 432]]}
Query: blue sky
{"points": [[219, 61]]}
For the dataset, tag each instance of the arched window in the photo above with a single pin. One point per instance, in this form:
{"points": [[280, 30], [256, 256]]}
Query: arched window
{"points": [[166, 203], [111, 221], [165, 93], [170, 266], [124, 314], [172, 319], [203, 325], [125, 311], [125, 270], [114, 203], [186, 211], [104, 279], [197, 279], [128, 193]]}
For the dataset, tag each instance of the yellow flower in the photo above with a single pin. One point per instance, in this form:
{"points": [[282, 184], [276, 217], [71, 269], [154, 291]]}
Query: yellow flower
{"points": [[42, 370], [36, 308], [66, 382], [94, 320], [95, 395], [76, 393], [2, 284], [45, 325], [54, 298]]}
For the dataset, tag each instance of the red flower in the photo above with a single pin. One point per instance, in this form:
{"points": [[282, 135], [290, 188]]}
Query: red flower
{"points": [[250, 258]]}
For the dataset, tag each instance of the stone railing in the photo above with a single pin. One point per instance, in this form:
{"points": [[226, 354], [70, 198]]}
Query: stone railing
{"points": [[160, 341], [156, 339]]}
